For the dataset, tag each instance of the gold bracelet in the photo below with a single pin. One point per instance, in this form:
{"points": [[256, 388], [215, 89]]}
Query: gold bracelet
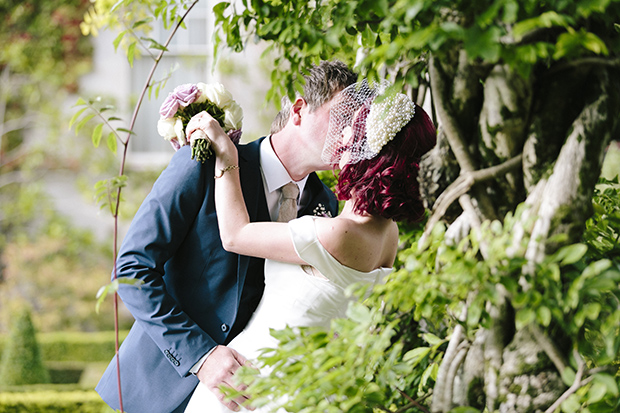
{"points": [[228, 168]]}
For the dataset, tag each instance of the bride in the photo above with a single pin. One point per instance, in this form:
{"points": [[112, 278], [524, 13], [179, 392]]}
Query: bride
{"points": [[310, 261]]}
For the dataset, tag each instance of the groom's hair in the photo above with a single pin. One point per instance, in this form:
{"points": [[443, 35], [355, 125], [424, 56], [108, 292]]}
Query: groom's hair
{"points": [[321, 84]]}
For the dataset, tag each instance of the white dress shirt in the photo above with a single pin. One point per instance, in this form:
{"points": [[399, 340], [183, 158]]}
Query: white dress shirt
{"points": [[275, 177]]}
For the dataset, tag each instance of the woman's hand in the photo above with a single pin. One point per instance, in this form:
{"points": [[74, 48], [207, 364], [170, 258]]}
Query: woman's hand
{"points": [[224, 148]]}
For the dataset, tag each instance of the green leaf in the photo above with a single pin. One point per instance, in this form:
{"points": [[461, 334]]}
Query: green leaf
{"points": [[154, 44], [414, 356], [118, 39], [570, 254], [483, 44], [141, 23], [609, 381], [464, 409], [96, 137], [524, 317], [126, 131], [596, 392], [359, 313], [111, 141], [543, 315], [429, 372], [113, 287], [574, 43], [432, 339], [131, 52], [83, 122], [596, 268], [571, 404], [592, 310], [76, 116], [545, 20], [380, 7], [568, 376]]}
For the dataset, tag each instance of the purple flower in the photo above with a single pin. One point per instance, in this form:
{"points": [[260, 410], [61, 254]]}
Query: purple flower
{"points": [[182, 95], [235, 135]]}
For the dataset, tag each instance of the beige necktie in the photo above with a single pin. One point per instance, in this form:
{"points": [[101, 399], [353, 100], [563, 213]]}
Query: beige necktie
{"points": [[288, 205]]}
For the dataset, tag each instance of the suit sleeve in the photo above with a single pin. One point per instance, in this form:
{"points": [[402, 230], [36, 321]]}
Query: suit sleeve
{"points": [[155, 234]]}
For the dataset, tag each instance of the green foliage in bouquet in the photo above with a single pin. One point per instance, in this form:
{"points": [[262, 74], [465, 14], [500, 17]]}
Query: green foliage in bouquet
{"points": [[21, 358], [201, 149]]}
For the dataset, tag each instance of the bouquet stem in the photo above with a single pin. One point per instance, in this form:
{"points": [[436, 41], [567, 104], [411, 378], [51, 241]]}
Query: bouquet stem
{"points": [[201, 150]]}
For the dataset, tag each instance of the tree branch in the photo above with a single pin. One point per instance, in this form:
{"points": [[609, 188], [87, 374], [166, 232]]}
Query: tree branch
{"points": [[549, 348], [461, 352], [464, 183], [586, 61], [412, 402], [451, 128], [578, 383]]}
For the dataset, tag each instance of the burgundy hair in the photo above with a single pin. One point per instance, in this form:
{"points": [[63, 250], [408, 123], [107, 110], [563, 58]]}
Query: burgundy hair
{"points": [[387, 184]]}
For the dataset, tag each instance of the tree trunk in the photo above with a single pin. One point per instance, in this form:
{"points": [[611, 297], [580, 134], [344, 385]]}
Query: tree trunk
{"points": [[550, 132]]}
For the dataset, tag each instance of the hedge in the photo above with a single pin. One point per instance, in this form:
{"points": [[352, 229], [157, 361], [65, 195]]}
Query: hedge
{"points": [[75, 346], [52, 402]]}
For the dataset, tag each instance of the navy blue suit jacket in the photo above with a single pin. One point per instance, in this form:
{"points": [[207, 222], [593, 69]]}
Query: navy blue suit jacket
{"points": [[195, 294]]}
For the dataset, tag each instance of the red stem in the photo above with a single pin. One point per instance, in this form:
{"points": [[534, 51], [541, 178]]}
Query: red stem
{"points": [[118, 195]]}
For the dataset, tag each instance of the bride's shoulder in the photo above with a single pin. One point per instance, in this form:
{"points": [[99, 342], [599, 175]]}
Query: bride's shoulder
{"points": [[355, 245]]}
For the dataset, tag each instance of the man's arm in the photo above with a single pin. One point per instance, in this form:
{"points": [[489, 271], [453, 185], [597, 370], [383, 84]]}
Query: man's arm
{"points": [[155, 235]]}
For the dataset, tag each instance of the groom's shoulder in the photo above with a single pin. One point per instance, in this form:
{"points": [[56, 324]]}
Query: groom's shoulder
{"points": [[250, 149]]}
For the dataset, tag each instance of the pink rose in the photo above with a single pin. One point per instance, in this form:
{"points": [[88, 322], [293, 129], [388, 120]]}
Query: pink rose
{"points": [[182, 95]]}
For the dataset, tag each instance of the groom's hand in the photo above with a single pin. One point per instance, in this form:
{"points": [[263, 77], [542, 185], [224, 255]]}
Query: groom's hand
{"points": [[218, 370]]}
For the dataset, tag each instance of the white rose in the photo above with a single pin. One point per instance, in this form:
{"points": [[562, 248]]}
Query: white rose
{"points": [[233, 116], [202, 96], [180, 132], [216, 93], [165, 127], [170, 128]]}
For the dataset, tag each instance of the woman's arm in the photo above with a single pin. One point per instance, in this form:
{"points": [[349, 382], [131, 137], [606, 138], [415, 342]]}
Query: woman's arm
{"points": [[259, 239]]}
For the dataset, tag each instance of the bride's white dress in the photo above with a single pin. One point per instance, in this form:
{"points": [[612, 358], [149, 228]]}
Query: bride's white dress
{"points": [[293, 297]]}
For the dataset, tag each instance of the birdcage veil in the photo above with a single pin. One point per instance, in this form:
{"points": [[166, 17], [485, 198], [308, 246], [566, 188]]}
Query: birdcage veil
{"points": [[359, 126]]}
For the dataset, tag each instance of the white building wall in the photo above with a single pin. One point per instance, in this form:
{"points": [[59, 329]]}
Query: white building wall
{"points": [[113, 79]]}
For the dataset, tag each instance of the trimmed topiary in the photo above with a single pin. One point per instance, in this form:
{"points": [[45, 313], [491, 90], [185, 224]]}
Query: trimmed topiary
{"points": [[21, 358]]}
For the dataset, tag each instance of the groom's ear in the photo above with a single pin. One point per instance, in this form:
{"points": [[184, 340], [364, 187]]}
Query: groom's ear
{"points": [[296, 110]]}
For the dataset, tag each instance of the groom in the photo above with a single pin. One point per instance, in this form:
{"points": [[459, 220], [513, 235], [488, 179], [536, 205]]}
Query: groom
{"points": [[195, 296]]}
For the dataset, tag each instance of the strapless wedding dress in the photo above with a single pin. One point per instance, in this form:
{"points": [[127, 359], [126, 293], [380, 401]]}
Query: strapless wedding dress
{"points": [[293, 297]]}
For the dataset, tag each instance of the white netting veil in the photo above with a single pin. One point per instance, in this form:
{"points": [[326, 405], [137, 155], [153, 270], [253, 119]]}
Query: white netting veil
{"points": [[358, 128]]}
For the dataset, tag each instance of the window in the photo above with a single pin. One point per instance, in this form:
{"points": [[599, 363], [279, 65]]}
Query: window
{"points": [[189, 52]]}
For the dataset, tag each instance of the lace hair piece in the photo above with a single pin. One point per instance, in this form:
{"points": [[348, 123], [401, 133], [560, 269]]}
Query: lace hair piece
{"points": [[359, 126]]}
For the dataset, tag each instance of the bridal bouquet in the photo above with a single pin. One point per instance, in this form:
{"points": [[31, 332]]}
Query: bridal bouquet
{"points": [[188, 100]]}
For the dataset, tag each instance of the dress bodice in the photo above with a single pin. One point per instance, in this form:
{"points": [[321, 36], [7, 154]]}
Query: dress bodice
{"points": [[293, 297]]}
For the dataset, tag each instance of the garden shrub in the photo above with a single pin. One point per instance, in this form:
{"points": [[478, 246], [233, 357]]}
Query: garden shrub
{"points": [[78, 346], [75, 346], [65, 372], [49, 401], [21, 357]]}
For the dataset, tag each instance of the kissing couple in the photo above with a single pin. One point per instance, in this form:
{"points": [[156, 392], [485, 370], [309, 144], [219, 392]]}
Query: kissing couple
{"points": [[231, 248]]}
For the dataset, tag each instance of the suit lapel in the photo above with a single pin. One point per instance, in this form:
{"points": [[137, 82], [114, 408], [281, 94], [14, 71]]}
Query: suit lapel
{"points": [[251, 180], [319, 195]]}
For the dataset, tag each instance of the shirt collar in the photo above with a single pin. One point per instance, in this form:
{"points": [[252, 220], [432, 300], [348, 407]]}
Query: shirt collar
{"points": [[274, 173]]}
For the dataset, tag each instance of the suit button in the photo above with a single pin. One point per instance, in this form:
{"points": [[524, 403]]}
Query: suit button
{"points": [[224, 328]]}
